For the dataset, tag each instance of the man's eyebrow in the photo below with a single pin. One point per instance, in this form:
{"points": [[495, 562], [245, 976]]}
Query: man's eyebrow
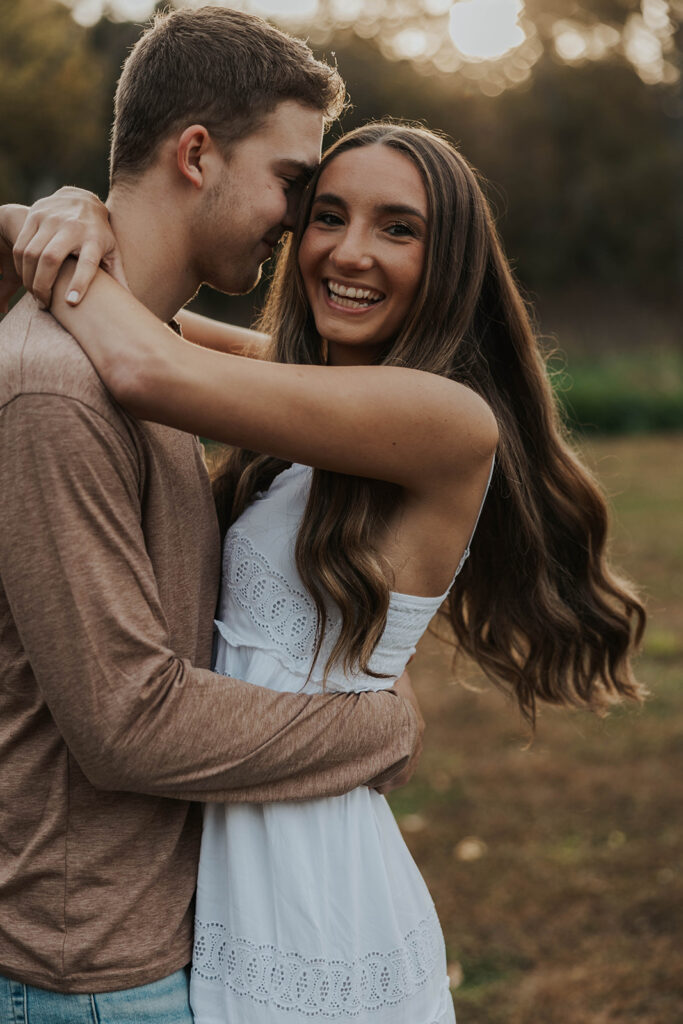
{"points": [[398, 209], [299, 168]]}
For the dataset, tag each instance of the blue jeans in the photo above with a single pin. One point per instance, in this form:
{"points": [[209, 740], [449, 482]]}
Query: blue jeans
{"points": [[163, 1002]]}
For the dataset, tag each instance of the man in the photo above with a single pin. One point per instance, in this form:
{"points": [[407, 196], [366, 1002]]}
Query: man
{"points": [[109, 558]]}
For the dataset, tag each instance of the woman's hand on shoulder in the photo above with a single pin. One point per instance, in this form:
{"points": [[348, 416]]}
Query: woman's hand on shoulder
{"points": [[11, 220], [71, 222]]}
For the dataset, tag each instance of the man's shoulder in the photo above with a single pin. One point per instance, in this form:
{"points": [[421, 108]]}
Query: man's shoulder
{"points": [[37, 356]]}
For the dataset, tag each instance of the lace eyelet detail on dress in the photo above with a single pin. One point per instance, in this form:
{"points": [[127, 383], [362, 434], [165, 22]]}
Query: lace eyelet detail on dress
{"points": [[317, 987], [283, 612], [285, 618]]}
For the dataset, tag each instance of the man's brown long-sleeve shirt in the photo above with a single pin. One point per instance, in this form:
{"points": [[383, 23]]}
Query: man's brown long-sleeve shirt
{"points": [[109, 567]]}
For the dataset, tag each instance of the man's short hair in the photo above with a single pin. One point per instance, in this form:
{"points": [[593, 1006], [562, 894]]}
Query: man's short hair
{"points": [[213, 66]]}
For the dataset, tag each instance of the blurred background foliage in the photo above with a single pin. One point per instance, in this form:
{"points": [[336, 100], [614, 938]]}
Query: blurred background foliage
{"points": [[573, 114]]}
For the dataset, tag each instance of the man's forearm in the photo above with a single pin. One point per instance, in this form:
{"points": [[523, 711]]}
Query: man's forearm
{"points": [[237, 742], [135, 715]]}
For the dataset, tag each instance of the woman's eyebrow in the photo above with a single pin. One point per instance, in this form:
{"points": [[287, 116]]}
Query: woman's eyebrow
{"points": [[329, 197], [396, 209], [402, 210]]}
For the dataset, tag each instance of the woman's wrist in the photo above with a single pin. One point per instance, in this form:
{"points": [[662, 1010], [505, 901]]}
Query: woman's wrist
{"points": [[12, 217]]}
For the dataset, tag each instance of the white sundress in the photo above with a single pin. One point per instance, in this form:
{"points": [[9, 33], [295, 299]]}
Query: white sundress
{"points": [[308, 911]]}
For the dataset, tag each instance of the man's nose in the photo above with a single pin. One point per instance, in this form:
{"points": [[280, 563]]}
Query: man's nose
{"points": [[294, 197]]}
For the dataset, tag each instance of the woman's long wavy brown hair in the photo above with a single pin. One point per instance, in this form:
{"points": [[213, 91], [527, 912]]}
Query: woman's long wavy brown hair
{"points": [[536, 605]]}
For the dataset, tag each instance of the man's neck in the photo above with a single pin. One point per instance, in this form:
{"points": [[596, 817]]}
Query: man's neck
{"points": [[153, 248]]}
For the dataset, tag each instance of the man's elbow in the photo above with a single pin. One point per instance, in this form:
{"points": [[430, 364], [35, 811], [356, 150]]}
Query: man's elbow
{"points": [[115, 767]]}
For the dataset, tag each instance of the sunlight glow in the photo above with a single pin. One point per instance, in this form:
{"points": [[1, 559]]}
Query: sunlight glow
{"points": [[644, 49], [286, 10], [575, 41], [410, 43], [641, 46], [133, 10], [647, 38], [346, 11], [447, 61], [604, 38], [479, 32], [86, 12], [436, 7], [89, 12], [570, 44], [486, 29], [656, 15]]}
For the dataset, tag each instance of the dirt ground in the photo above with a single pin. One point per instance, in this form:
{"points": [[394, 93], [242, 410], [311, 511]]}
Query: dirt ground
{"points": [[556, 866]]}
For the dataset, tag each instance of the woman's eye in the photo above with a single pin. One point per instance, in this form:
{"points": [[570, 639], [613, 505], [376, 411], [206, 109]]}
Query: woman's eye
{"points": [[326, 217], [399, 229]]}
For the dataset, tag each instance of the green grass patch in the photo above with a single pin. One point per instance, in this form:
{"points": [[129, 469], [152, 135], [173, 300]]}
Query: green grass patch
{"points": [[663, 644], [482, 976], [632, 393], [420, 795]]}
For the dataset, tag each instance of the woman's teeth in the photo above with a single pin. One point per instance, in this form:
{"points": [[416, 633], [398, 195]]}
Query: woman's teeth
{"points": [[352, 298]]}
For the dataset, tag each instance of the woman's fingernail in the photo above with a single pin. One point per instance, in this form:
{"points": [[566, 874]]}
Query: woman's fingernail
{"points": [[72, 298]]}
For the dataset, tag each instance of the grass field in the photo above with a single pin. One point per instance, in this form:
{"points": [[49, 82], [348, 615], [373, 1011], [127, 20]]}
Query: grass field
{"points": [[622, 393], [556, 867]]}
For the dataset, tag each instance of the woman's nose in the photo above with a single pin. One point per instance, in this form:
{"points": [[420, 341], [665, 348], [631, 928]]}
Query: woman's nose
{"points": [[353, 250]]}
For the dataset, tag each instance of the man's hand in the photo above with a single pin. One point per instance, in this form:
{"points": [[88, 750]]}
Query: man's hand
{"points": [[404, 688], [11, 219], [71, 222]]}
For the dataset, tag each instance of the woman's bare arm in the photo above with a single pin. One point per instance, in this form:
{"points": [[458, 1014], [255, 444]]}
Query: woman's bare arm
{"points": [[75, 222], [405, 426], [11, 221], [222, 337]]}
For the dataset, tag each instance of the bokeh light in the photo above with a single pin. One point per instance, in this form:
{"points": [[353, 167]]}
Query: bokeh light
{"points": [[345, 12], [570, 42], [89, 12], [436, 7], [576, 42], [86, 12], [486, 29], [286, 10], [410, 43], [456, 36], [647, 38], [134, 10]]}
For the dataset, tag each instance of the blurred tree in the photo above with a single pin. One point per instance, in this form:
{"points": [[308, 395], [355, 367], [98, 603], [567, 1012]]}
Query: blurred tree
{"points": [[52, 94], [494, 44], [582, 160], [583, 157]]}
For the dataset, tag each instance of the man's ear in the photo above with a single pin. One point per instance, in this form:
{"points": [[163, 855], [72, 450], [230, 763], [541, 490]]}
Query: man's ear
{"points": [[193, 146]]}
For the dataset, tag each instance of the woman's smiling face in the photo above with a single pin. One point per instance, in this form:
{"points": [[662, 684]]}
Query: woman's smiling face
{"points": [[362, 254]]}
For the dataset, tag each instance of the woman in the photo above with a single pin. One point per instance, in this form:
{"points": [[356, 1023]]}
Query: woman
{"points": [[395, 279]]}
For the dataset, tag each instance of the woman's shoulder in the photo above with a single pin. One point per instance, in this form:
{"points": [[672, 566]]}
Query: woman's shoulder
{"points": [[462, 426], [481, 417]]}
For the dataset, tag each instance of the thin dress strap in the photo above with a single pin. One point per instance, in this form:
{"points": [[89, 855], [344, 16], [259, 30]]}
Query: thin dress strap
{"points": [[466, 552]]}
